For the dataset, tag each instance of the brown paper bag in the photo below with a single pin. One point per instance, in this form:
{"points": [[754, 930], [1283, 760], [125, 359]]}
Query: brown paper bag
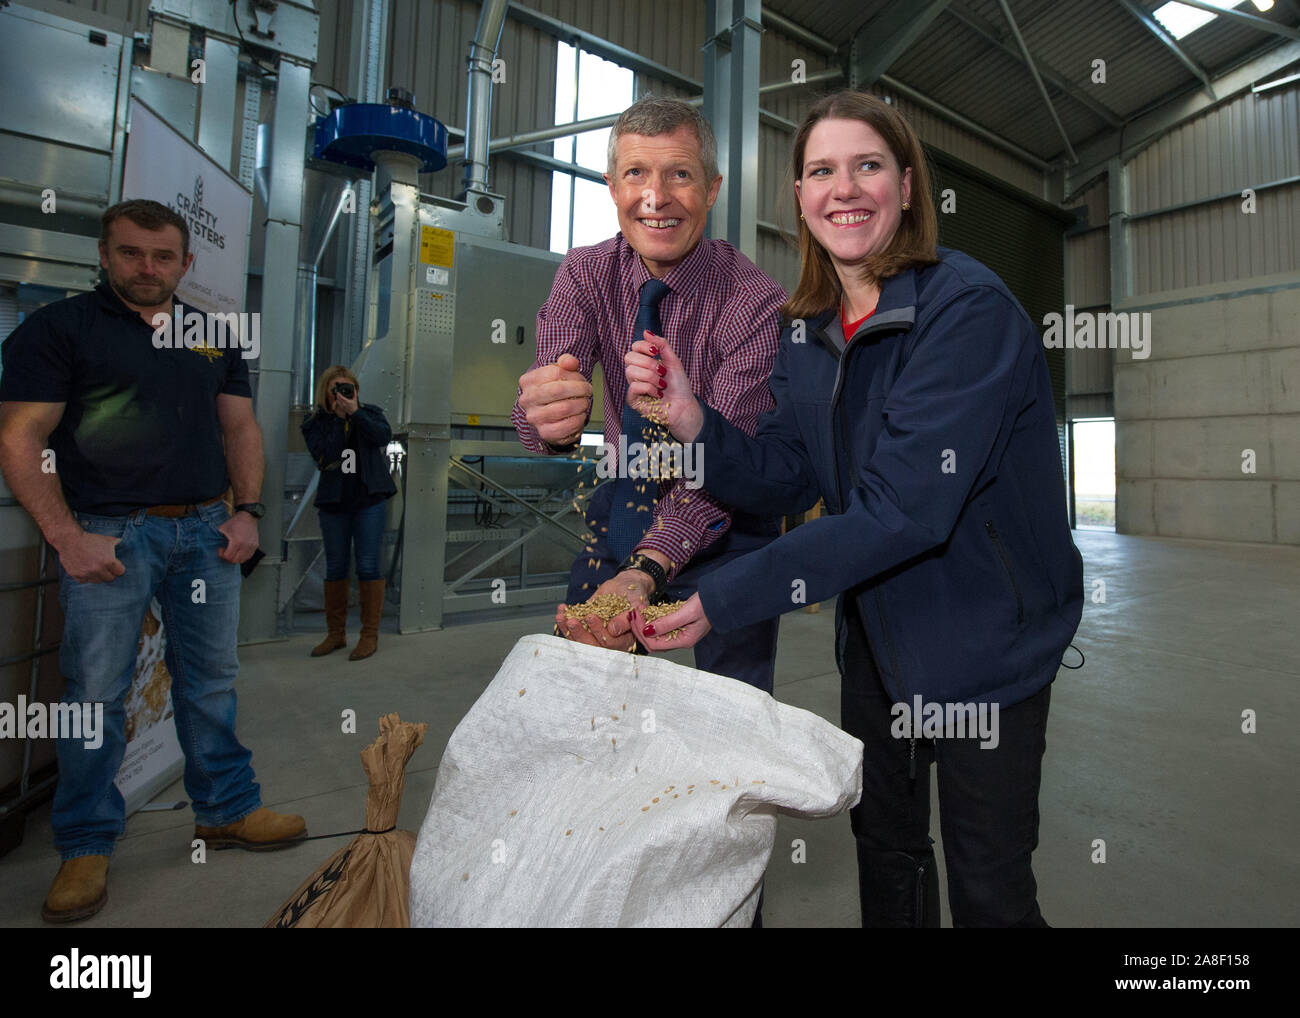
{"points": [[366, 883]]}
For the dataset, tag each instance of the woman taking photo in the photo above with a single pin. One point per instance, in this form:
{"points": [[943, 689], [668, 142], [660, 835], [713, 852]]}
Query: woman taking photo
{"points": [[912, 394], [349, 441]]}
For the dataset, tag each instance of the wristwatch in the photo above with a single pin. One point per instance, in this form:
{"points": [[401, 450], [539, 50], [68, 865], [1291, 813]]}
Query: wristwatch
{"points": [[653, 569], [254, 509]]}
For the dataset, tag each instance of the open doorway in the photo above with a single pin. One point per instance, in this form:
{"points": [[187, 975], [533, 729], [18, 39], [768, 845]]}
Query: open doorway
{"points": [[1092, 443]]}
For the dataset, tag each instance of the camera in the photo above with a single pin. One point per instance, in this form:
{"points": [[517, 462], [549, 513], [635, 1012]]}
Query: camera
{"points": [[345, 389]]}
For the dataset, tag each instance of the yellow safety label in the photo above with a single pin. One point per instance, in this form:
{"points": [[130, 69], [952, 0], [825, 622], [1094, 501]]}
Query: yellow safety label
{"points": [[473, 418], [436, 246]]}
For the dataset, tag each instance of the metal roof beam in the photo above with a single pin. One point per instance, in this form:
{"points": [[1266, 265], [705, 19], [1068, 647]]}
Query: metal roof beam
{"points": [[963, 121], [1243, 18], [1161, 33], [1149, 125], [592, 43], [816, 78], [882, 38], [798, 33], [1065, 85], [1042, 89]]}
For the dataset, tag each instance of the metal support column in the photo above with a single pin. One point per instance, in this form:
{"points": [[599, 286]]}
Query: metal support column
{"points": [[717, 103], [366, 72], [258, 615], [742, 161], [1121, 261]]}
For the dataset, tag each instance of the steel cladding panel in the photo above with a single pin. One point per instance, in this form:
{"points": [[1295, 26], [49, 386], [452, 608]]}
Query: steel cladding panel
{"points": [[499, 289], [56, 83]]}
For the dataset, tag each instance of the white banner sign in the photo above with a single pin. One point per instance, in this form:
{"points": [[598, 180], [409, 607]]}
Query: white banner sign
{"points": [[153, 757], [164, 165]]}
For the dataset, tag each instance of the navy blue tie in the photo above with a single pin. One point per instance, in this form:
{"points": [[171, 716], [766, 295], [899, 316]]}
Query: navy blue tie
{"points": [[632, 508]]}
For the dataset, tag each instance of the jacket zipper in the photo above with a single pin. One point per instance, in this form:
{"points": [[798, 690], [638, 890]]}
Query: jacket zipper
{"points": [[920, 897], [835, 393], [1006, 564], [839, 491]]}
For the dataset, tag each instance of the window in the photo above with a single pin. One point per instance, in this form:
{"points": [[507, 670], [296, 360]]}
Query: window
{"points": [[586, 86], [1181, 20]]}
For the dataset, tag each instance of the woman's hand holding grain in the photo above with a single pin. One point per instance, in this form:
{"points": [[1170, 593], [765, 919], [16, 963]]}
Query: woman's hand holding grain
{"points": [[683, 628], [659, 388]]}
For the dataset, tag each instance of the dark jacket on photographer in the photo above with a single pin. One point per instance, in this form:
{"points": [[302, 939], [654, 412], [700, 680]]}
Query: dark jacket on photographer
{"points": [[367, 434]]}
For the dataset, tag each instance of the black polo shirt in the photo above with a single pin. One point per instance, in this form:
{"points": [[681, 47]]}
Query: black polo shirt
{"points": [[140, 424]]}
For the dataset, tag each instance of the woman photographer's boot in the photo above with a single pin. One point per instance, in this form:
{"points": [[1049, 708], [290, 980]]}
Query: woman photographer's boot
{"points": [[336, 618], [372, 609]]}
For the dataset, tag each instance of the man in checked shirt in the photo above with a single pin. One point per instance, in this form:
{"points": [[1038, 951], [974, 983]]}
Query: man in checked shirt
{"points": [[720, 313]]}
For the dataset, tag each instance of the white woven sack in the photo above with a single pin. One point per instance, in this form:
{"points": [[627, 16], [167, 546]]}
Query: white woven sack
{"points": [[589, 787]]}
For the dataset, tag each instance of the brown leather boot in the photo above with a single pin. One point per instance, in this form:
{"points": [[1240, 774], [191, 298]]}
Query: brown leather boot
{"points": [[79, 891], [336, 618], [260, 831], [372, 609]]}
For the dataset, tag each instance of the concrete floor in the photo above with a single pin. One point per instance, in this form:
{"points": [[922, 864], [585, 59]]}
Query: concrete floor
{"points": [[1145, 751]]}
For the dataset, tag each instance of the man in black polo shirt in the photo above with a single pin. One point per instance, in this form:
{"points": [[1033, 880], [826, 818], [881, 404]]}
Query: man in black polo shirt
{"points": [[121, 447]]}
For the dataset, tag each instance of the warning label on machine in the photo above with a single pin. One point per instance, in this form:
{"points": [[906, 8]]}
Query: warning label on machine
{"points": [[436, 246]]}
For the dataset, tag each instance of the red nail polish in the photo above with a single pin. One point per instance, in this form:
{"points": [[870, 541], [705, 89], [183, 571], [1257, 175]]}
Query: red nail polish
{"points": [[649, 630], [662, 384], [663, 370], [654, 350]]}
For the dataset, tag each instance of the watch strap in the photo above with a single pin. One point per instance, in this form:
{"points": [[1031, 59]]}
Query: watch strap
{"points": [[651, 568]]}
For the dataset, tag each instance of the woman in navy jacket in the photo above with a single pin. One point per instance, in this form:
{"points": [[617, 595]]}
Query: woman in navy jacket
{"points": [[349, 442], [912, 395]]}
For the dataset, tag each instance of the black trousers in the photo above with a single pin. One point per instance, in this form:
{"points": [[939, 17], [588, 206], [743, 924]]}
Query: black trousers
{"points": [[988, 808]]}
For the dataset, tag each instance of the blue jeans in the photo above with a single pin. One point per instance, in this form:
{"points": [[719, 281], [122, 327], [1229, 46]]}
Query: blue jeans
{"points": [[361, 531], [747, 654], [162, 558]]}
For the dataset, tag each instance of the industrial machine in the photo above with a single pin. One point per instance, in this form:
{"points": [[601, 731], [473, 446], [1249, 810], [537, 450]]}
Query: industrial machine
{"points": [[451, 313]]}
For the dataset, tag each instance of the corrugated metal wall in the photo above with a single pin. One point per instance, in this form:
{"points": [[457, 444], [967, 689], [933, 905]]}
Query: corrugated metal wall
{"points": [[426, 54], [1249, 141], [943, 134]]}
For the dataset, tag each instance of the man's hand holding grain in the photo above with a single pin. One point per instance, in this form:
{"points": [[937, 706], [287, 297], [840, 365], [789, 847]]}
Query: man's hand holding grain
{"points": [[556, 400]]}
